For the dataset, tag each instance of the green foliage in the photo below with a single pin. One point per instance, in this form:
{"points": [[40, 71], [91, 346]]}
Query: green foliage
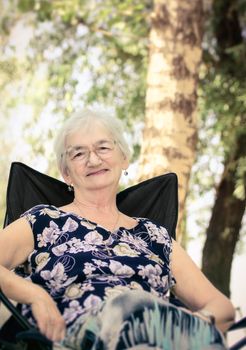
{"points": [[222, 97], [105, 39], [241, 174], [26, 5]]}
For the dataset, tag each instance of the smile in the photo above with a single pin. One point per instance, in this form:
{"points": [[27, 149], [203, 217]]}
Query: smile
{"points": [[98, 172]]}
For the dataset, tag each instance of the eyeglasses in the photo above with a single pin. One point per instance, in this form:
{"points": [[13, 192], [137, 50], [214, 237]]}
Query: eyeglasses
{"points": [[103, 149]]}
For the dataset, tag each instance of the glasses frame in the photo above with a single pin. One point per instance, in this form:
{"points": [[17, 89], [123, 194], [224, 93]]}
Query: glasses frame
{"points": [[102, 149]]}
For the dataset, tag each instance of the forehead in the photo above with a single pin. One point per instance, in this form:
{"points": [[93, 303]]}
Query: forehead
{"points": [[88, 135]]}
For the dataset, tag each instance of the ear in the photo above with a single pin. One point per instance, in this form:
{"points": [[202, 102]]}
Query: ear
{"points": [[66, 176]]}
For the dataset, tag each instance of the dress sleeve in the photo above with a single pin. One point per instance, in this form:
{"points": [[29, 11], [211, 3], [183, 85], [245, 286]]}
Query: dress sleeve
{"points": [[32, 214]]}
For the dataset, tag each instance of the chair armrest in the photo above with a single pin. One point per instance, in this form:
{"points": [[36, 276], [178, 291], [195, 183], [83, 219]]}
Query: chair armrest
{"points": [[238, 325]]}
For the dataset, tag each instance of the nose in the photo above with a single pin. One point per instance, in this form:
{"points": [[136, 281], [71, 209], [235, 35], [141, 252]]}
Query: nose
{"points": [[93, 159]]}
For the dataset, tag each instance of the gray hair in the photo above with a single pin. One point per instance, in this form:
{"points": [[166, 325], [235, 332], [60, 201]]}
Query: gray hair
{"points": [[80, 120]]}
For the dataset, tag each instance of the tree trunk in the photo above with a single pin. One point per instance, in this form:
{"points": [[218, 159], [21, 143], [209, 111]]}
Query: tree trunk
{"points": [[170, 132], [225, 223]]}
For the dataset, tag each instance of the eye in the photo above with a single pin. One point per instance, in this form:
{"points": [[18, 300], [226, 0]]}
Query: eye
{"points": [[79, 154], [103, 149]]}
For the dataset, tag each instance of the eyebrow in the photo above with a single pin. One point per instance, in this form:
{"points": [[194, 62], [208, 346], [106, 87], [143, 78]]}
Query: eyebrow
{"points": [[78, 147]]}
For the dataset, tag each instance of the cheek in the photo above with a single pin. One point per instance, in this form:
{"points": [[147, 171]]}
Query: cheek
{"points": [[77, 174], [68, 173]]}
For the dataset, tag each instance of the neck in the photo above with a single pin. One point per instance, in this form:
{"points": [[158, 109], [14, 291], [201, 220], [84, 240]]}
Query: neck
{"points": [[96, 206], [102, 200], [106, 216]]}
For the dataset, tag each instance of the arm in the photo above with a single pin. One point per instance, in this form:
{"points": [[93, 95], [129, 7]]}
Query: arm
{"points": [[196, 292], [16, 243]]}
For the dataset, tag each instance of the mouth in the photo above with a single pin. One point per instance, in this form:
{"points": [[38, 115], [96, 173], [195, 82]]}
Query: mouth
{"points": [[97, 172]]}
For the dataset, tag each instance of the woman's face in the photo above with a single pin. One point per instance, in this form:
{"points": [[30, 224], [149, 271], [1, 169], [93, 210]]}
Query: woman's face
{"points": [[94, 160]]}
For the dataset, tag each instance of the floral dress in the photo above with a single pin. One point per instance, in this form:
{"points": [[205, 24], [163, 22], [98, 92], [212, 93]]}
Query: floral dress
{"points": [[106, 283]]}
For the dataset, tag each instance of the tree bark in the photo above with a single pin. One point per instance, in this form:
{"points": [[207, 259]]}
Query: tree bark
{"points": [[225, 223], [170, 132]]}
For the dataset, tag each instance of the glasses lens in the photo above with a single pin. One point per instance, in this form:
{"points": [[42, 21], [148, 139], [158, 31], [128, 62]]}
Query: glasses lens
{"points": [[102, 150], [78, 154], [105, 148]]}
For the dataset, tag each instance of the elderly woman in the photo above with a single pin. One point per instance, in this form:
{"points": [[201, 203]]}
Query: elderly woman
{"points": [[99, 278]]}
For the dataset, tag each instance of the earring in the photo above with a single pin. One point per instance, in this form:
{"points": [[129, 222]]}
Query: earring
{"points": [[70, 188], [125, 172]]}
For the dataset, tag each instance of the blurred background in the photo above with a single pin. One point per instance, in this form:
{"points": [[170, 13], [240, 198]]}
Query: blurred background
{"points": [[173, 71]]}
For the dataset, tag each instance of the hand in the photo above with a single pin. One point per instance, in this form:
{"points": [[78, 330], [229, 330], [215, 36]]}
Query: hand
{"points": [[49, 319]]}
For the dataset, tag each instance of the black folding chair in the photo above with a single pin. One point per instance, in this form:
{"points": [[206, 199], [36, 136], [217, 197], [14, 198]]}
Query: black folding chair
{"points": [[156, 199]]}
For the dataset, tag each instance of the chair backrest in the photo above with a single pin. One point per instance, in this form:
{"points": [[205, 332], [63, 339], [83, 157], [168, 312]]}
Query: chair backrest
{"points": [[156, 198]]}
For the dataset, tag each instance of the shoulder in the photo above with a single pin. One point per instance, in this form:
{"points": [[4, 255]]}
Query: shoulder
{"points": [[41, 210], [154, 227], [157, 234], [41, 214]]}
